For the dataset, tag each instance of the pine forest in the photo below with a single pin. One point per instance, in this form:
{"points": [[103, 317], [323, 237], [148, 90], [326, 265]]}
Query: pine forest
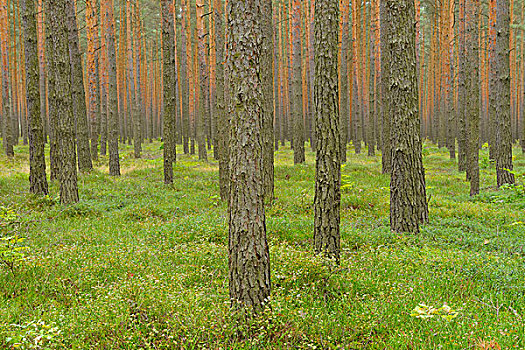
{"points": [[262, 174]]}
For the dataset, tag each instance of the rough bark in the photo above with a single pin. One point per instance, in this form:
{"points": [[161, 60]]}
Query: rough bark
{"points": [[61, 100], [92, 64], [37, 160], [345, 95], [472, 88], [267, 81], [77, 91], [327, 199], [168, 58], [113, 117], [503, 152], [183, 62], [386, 155], [461, 111], [408, 204], [249, 263]]}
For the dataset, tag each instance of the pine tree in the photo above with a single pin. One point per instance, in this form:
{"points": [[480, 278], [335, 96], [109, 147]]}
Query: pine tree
{"points": [[249, 261], [37, 159], [408, 205], [61, 101], [327, 199]]}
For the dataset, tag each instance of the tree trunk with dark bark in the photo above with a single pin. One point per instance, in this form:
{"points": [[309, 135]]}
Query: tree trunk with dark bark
{"points": [[249, 261], [327, 199], [37, 160], [408, 203]]}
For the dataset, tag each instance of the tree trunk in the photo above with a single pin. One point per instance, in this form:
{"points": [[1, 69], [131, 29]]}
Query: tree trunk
{"points": [[168, 58], [37, 159], [249, 261], [267, 81], [113, 116], [298, 120], [77, 91], [223, 130], [61, 100], [462, 96], [92, 65], [472, 89], [7, 127], [327, 199], [503, 154], [386, 156], [408, 204], [345, 95]]}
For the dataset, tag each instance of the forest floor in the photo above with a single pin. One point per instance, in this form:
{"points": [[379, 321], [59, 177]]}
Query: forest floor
{"points": [[137, 264]]}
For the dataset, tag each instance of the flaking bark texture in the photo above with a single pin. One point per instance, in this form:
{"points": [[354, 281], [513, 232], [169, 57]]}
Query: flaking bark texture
{"points": [[327, 199], [472, 88], [408, 204], [267, 81], [113, 117], [37, 160], [77, 91], [168, 54], [249, 263], [503, 118], [61, 101]]}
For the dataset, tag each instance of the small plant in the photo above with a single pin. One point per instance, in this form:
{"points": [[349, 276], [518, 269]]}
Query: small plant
{"points": [[347, 185], [12, 252], [33, 335], [425, 311]]}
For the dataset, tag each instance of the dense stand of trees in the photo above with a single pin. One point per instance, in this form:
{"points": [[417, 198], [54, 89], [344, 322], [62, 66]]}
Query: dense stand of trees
{"points": [[246, 77]]}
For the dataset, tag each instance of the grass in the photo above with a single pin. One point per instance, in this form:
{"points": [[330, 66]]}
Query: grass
{"points": [[137, 264]]}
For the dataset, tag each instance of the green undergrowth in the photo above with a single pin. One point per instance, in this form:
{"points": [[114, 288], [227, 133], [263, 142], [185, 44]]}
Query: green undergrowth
{"points": [[137, 264]]}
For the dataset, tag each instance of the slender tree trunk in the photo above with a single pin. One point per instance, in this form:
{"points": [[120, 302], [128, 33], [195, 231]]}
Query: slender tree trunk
{"points": [[7, 127], [113, 116], [267, 80], [223, 130], [345, 95], [385, 100], [327, 199], [298, 120], [61, 100], [77, 91], [408, 204], [503, 154], [168, 59], [462, 91], [37, 159], [472, 90], [249, 261]]}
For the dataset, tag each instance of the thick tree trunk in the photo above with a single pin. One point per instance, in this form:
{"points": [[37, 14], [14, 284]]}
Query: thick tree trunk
{"points": [[327, 199], [37, 159], [503, 152], [61, 100], [249, 261], [77, 91], [408, 204], [168, 58]]}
